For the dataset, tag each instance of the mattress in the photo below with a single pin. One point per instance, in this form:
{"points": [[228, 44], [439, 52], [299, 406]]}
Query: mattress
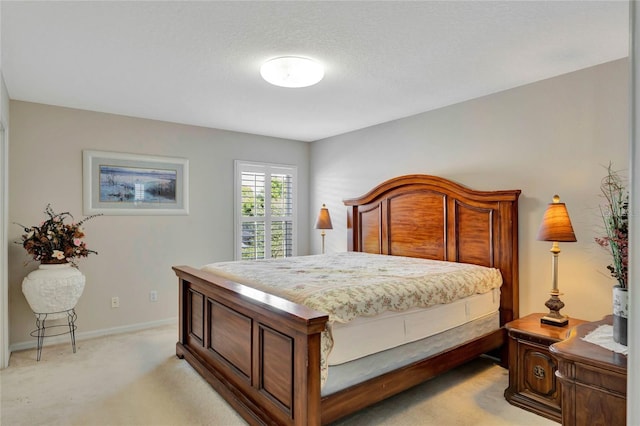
{"points": [[349, 285], [367, 335], [351, 373], [352, 285]]}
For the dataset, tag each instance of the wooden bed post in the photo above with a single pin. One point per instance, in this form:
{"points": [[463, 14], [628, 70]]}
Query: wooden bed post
{"points": [[351, 241], [181, 319]]}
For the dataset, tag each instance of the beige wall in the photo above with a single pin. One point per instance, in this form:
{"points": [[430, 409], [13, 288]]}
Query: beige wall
{"points": [[135, 252], [549, 137]]}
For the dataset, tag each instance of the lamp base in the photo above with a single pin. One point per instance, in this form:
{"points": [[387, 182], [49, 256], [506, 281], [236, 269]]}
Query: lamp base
{"points": [[554, 317], [558, 322]]}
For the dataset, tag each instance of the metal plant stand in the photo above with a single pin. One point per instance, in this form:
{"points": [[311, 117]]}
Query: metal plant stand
{"points": [[42, 330]]}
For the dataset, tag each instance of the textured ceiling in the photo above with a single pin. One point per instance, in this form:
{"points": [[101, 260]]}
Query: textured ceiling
{"points": [[198, 62]]}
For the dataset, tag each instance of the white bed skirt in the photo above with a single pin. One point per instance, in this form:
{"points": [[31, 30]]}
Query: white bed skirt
{"points": [[351, 373]]}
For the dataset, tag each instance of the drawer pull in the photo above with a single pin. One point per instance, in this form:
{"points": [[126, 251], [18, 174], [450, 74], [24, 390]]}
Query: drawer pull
{"points": [[538, 372]]}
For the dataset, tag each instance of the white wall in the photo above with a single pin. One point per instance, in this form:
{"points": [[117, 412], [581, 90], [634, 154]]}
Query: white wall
{"points": [[549, 137], [633, 360], [4, 153], [553, 136], [4, 296], [135, 252]]}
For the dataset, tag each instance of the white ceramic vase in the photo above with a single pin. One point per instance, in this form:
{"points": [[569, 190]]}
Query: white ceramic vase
{"points": [[53, 289], [620, 314]]}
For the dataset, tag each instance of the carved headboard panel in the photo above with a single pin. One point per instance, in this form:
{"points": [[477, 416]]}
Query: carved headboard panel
{"points": [[434, 218]]}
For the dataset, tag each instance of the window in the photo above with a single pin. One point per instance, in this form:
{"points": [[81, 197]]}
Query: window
{"points": [[265, 210]]}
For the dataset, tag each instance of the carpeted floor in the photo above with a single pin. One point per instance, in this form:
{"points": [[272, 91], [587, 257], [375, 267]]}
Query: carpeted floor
{"points": [[134, 379]]}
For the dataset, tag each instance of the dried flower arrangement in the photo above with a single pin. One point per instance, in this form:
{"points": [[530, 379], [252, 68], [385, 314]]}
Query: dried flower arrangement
{"points": [[615, 215], [54, 241]]}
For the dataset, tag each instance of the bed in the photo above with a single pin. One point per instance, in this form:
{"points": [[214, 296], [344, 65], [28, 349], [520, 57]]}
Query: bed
{"points": [[263, 353]]}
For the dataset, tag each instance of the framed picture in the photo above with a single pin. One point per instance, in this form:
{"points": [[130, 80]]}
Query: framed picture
{"points": [[131, 184]]}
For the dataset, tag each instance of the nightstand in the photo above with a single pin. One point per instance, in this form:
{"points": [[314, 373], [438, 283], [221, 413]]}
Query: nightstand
{"points": [[532, 379]]}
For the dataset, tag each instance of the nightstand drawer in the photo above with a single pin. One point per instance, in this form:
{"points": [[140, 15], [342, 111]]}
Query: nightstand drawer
{"points": [[612, 382], [537, 379]]}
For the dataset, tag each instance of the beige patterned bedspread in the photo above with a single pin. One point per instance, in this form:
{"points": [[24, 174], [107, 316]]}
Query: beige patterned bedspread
{"points": [[352, 284]]}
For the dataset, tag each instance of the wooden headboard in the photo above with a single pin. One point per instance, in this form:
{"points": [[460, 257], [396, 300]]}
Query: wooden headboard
{"points": [[434, 218]]}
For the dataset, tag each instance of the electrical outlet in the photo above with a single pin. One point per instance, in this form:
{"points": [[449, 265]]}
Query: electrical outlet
{"points": [[115, 302], [153, 296]]}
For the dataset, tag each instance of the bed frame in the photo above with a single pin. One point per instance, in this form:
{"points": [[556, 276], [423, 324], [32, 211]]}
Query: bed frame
{"points": [[262, 353]]}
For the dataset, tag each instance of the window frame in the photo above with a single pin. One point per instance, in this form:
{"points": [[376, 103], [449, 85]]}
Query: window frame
{"points": [[241, 166]]}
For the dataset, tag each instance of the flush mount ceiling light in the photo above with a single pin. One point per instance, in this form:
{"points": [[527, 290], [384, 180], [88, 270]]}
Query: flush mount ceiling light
{"points": [[292, 71]]}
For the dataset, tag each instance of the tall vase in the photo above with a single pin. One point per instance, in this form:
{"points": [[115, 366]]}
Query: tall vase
{"points": [[53, 289], [620, 314]]}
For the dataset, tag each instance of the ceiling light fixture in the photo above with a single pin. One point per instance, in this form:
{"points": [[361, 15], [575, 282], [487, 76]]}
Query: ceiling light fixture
{"points": [[292, 71]]}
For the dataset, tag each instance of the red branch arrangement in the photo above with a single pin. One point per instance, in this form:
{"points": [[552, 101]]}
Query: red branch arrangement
{"points": [[615, 215]]}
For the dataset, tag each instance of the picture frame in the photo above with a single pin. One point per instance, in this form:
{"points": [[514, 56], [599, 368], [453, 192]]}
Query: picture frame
{"points": [[132, 184]]}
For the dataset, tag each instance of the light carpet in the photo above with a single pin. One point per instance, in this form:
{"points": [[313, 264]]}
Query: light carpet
{"points": [[135, 379]]}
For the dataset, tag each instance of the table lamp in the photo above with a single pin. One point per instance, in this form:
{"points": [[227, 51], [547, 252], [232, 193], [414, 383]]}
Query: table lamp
{"points": [[555, 227], [323, 222]]}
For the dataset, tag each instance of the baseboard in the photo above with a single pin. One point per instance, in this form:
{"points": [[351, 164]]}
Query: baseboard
{"points": [[54, 340]]}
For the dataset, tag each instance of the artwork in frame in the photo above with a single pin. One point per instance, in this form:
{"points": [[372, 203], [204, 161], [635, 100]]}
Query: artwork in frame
{"points": [[132, 184]]}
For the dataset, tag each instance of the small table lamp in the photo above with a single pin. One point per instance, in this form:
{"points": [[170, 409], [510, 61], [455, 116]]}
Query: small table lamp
{"points": [[323, 222], [556, 227]]}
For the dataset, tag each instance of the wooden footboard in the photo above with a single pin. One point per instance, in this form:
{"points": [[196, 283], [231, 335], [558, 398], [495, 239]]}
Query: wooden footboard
{"points": [[260, 352]]}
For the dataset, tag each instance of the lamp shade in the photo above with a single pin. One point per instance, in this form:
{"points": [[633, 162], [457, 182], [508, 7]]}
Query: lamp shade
{"points": [[556, 224], [324, 219]]}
